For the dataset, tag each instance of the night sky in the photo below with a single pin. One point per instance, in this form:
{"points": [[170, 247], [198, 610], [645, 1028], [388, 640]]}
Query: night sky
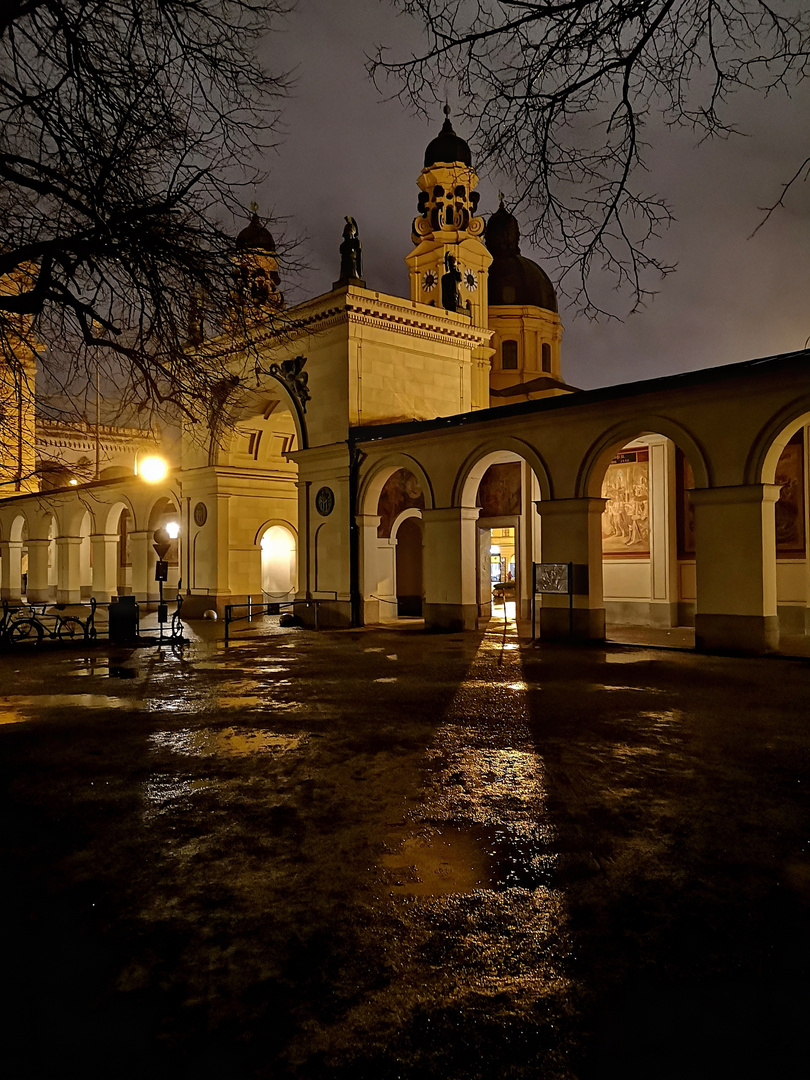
{"points": [[347, 151]]}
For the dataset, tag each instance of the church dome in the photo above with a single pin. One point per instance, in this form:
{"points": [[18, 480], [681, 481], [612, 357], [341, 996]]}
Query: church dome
{"points": [[514, 279], [255, 237], [447, 147]]}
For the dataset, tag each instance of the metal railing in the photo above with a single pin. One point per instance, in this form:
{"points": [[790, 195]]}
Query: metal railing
{"points": [[35, 623], [254, 611]]}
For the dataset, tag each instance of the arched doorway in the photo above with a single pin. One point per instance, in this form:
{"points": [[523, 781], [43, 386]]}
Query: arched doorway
{"points": [[504, 484], [279, 563], [392, 499], [408, 562]]}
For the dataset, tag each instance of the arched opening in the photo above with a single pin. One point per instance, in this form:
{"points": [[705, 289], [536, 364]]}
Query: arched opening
{"points": [[648, 539], [85, 558], [123, 572], [408, 560], [164, 515], [393, 556], [279, 563], [782, 460], [504, 485]]}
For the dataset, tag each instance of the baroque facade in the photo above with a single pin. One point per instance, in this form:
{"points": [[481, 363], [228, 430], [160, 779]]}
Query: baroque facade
{"points": [[406, 457]]}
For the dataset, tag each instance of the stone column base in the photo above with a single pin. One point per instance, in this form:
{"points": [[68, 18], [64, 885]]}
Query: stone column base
{"points": [[371, 610], [587, 624], [453, 617], [750, 634]]}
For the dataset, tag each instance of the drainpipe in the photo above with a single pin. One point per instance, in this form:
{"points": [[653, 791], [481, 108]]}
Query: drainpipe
{"points": [[356, 456]]}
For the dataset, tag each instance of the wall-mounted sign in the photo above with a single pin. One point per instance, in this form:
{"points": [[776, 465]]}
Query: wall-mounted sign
{"points": [[325, 501], [200, 513]]}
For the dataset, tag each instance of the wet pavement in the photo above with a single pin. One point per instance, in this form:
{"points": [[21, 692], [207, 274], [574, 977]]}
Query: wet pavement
{"points": [[398, 855]]}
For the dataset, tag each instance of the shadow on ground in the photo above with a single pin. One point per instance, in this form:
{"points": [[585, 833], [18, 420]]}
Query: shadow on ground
{"points": [[405, 855]]}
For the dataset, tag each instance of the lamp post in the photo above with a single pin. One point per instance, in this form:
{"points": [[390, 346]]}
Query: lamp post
{"points": [[162, 542], [161, 546]]}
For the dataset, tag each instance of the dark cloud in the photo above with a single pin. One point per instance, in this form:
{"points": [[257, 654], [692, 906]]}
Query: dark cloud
{"points": [[347, 151]]}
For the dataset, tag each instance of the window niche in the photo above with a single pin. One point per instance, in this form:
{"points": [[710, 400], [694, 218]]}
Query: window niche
{"points": [[509, 355], [545, 356]]}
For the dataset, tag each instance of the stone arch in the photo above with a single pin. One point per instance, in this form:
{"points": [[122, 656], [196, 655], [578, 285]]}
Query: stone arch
{"points": [[519, 528], [476, 464], [19, 523], [70, 514], [377, 474], [107, 516], [603, 450], [773, 437]]}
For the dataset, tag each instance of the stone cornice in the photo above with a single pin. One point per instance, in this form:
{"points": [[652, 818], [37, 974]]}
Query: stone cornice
{"points": [[353, 306]]}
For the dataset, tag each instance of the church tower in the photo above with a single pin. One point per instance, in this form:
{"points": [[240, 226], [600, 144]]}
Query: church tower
{"points": [[449, 263]]}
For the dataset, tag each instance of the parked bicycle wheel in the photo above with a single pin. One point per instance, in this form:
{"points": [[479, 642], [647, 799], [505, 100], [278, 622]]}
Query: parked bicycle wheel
{"points": [[69, 629], [25, 630]]}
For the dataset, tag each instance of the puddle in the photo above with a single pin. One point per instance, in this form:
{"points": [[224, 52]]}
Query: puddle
{"points": [[448, 861], [457, 860], [14, 709], [240, 741]]}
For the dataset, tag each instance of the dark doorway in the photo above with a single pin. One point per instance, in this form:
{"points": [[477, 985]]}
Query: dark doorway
{"points": [[409, 567]]}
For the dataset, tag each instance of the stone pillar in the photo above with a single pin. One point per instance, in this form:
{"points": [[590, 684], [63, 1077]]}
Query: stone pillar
{"points": [[450, 567], [572, 533], [105, 566], [735, 529], [369, 567], [11, 570], [38, 588], [68, 570], [143, 561]]}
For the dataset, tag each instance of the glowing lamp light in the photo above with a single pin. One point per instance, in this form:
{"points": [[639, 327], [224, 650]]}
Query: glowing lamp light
{"points": [[173, 529], [153, 469]]}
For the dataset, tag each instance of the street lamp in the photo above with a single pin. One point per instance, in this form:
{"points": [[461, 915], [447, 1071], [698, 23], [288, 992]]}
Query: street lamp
{"points": [[153, 469]]}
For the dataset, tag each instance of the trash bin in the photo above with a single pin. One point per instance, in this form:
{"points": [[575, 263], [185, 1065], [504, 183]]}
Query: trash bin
{"points": [[124, 617]]}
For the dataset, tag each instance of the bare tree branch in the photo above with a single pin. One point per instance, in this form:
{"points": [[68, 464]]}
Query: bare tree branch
{"points": [[129, 131], [558, 95]]}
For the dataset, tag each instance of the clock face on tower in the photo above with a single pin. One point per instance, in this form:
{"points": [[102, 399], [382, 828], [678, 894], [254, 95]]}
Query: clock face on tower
{"points": [[470, 280], [429, 281]]}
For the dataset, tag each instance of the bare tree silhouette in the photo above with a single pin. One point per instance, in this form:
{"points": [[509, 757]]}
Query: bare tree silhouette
{"points": [[557, 94]]}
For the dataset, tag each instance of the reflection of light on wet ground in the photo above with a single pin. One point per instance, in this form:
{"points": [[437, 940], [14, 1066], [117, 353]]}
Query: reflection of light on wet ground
{"points": [[627, 689], [9, 715], [162, 791], [490, 782], [626, 657], [503, 612], [15, 708], [386, 680], [205, 741]]}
